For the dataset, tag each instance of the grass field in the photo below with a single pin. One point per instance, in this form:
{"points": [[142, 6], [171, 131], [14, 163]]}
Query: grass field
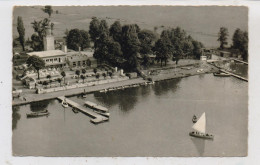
{"points": [[202, 23]]}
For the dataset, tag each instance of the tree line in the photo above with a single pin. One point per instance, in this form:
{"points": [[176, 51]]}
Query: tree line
{"points": [[239, 41], [129, 46]]}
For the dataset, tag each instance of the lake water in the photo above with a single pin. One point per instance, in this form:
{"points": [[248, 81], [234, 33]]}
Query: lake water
{"points": [[152, 120]]}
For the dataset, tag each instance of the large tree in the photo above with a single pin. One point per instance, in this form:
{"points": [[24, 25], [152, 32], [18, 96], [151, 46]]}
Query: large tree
{"points": [[40, 29], [240, 42], [130, 43], [116, 31], [94, 29], [36, 62], [103, 27], [222, 37], [197, 48], [21, 31], [63, 74], [48, 9], [163, 50], [101, 50], [147, 39], [78, 38]]}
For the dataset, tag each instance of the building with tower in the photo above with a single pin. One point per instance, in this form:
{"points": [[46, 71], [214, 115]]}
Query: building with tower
{"points": [[62, 58]]}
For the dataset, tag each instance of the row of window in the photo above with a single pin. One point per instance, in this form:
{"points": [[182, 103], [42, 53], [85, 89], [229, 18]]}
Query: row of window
{"points": [[79, 63], [52, 60]]}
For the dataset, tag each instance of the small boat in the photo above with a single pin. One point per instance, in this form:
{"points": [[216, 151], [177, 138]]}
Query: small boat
{"points": [[200, 127], [150, 82], [103, 91], [221, 74], [136, 85], [64, 104], [38, 114], [75, 110], [111, 89], [194, 119], [96, 106]]}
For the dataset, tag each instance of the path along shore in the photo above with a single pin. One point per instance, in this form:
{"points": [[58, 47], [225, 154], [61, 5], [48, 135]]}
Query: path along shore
{"points": [[164, 74]]}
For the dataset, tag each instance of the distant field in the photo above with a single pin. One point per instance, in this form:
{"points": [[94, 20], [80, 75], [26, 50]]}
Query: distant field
{"points": [[202, 23]]}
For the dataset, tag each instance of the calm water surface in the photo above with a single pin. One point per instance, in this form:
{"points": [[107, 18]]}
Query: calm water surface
{"points": [[145, 121]]}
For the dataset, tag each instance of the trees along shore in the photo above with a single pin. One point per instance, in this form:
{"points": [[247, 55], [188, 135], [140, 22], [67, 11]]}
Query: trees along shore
{"points": [[128, 46]]}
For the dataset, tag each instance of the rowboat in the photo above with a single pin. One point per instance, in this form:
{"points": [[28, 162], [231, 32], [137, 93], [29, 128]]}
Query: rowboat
{"points": [[221, 74], [38, 114]]}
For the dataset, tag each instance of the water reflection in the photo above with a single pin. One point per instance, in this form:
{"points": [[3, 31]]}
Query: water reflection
{"points": [[240, 69], [16, 116], [40, 106], [126, 99], [164, 87], [199, 145]]}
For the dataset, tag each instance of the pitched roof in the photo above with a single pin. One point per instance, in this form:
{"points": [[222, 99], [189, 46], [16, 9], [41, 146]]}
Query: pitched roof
{"points": [[48, 53]]}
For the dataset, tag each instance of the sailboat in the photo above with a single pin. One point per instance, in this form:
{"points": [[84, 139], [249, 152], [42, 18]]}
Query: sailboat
{"points": [[200, 127]]}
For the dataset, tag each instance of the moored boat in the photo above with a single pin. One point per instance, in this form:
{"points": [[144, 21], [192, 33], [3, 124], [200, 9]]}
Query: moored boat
{"points": [[103, 91], [111, 89], [200, 127], [150, 82], [64, 104], [75, 110], [135, 85], [38, 114], [221, 74]]}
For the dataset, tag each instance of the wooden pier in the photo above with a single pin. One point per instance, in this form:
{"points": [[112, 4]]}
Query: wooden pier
{"points": [[96, 117], [232, 74], [240, 61]]}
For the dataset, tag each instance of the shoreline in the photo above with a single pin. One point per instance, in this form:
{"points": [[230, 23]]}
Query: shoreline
{"points": [[33, 97]]}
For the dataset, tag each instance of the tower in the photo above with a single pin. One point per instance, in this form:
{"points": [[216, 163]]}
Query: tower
{"points": [[48, 40]]}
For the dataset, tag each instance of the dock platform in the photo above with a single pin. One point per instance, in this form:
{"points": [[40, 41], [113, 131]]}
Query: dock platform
{"points": [[96, 117], [96, 106]]}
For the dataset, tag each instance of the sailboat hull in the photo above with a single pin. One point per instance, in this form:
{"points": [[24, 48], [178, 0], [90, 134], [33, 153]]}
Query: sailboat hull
{"points": [[201, 135]]}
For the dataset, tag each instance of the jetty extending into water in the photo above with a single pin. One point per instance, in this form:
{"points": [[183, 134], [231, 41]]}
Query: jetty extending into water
{"points": [[232, 74], [96, 106], [96, 117], [241, 61]]}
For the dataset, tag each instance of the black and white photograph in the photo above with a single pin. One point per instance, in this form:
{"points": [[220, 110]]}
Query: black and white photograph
{"points": [[130, 81]]}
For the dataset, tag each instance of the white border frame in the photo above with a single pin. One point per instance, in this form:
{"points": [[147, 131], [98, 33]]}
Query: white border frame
{"points": [[6, 87]]}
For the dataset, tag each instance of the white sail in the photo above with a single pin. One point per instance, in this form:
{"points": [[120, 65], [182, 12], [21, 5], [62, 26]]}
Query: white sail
{"points": [[200, 125]]}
